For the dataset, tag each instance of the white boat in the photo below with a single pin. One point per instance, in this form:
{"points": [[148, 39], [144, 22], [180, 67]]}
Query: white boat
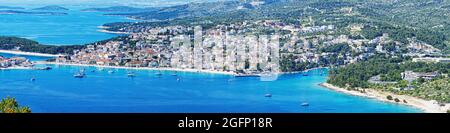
{"points": [[130, 74], [268, 95], [80, 74], [305, 104]]}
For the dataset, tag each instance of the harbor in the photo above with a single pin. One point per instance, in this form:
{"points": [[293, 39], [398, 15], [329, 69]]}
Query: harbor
{"points": [[57, 90]]}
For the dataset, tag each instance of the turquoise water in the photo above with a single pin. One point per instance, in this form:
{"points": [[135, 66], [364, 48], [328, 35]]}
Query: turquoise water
{"points": [[58, 91], [75, 28]]}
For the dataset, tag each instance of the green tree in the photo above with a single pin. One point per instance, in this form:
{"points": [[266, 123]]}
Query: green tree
{"points": [[403, 83], [10, 105]]}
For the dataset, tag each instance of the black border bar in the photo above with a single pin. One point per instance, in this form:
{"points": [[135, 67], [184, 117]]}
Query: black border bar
{"points": [[171, 121]]}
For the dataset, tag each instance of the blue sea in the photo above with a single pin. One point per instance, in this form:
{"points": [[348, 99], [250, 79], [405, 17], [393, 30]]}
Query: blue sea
{"points": [[58, 91], [75, 28], [31, 58]]}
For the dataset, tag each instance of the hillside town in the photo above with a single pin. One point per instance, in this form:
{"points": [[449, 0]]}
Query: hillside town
{"points": [[243, 48], [216, 56]]}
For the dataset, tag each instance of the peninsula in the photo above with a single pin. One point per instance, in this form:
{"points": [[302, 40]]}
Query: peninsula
{"points": [[15, 63], [31, 13]]}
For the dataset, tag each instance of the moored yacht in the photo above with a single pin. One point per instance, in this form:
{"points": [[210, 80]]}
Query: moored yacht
{"points": [[79, 74], [110, 71], [304, 104], [158, 74], [131, 74]]}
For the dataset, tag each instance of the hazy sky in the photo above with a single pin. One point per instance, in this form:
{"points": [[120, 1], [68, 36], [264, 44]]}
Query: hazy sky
{"points": [[97, 2]]}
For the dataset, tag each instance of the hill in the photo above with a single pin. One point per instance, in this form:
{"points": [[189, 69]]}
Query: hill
{"points": [[31, 13], [11, 7], [26, 45], [52, 8], [424, 20]]}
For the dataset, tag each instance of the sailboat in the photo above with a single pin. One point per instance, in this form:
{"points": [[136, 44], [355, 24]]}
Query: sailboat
{"points": [[79, 74], [268, 94], [158, 74]]}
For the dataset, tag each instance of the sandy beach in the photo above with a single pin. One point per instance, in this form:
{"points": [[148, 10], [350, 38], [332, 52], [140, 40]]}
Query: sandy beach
{"points": [[103, 29], [28, 53], [16, 68], [141, 68], [425, 105]]}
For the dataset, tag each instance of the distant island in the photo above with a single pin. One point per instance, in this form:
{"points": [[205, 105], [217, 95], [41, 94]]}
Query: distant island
{"points": [[11, 7], [52, 8], [26, 45], [118, 9], [31, 13]]}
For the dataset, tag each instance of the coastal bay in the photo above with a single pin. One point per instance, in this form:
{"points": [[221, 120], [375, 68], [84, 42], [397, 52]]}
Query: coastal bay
{"points": [[93, 77], [426, 106], [101, 91]]}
